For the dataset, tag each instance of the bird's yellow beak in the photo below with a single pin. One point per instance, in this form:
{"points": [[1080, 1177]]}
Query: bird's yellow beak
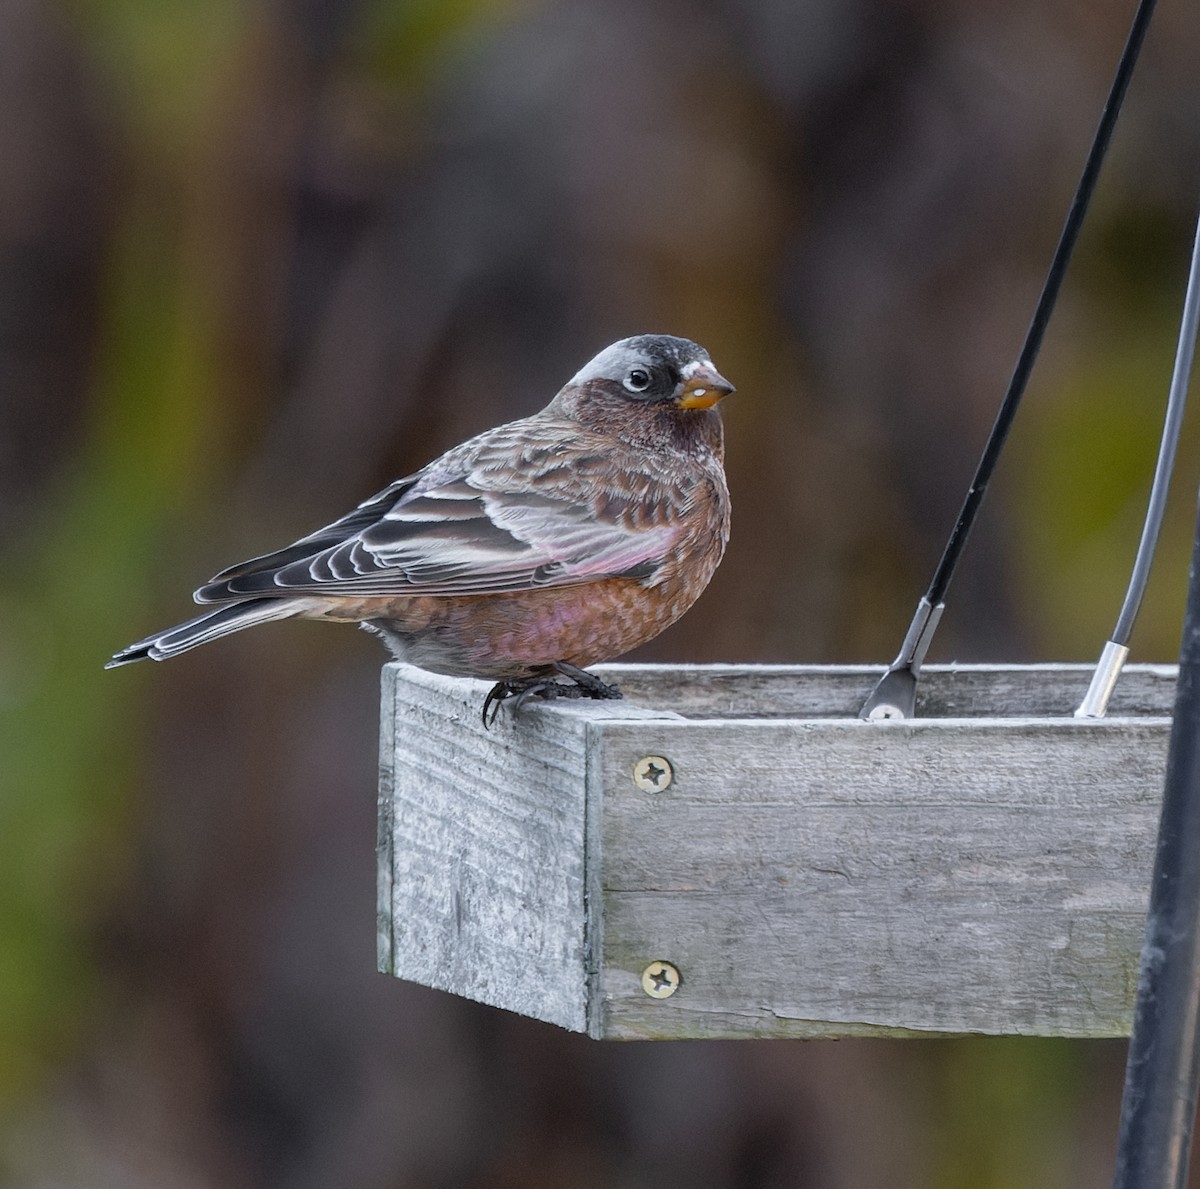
{"points": [[703, 387]]}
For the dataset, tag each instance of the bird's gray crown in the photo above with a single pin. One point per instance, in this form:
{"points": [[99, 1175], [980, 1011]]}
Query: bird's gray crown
{"points": [[614, 362]]}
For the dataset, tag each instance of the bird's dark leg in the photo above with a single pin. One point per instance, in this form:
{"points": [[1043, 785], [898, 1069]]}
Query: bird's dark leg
{"points": [[589, 685], [541, 684]]}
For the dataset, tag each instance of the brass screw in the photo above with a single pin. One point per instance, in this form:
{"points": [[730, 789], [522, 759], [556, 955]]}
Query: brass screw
{"points": [[652, 774], [660, 980]]}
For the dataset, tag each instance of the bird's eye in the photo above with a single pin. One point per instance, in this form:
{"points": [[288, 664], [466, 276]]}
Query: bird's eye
{"points": [[638, 380]]}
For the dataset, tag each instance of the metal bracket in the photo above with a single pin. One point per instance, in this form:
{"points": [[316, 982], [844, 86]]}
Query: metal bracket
{"points": [[895, 694], [1104, 681]]}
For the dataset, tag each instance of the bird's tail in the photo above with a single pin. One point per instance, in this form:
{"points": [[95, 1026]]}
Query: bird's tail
{"points": [[204, 628]]}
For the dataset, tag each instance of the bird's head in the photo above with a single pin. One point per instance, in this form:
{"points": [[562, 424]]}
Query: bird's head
{"points": [[654, 369]]}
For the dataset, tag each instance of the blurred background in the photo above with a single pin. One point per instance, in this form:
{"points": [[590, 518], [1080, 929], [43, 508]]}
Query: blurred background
{"points": [[258, 257]]}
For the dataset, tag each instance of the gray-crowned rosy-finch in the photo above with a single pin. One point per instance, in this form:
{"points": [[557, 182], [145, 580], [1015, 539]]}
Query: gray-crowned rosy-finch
{"points": [[529, 552]]}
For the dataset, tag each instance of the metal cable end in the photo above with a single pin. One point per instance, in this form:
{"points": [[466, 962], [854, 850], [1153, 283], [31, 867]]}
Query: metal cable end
{"points": [[1104, 681], [895, 694]]}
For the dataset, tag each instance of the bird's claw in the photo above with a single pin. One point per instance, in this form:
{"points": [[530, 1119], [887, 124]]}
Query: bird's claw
{"points": [[496, 695], [583, 685]]}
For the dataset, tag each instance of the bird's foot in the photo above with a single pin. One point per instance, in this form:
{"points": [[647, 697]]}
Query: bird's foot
{"points": [[542, 685], [522, 689], [587, 685]]}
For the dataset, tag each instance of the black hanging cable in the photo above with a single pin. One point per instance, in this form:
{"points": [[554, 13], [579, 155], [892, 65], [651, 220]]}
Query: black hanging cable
{"points": [[1158, 1107], [1112, 658], [895, 694]]}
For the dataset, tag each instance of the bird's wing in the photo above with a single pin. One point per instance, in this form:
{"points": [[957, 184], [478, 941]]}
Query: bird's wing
{"points": [[496, 515]]}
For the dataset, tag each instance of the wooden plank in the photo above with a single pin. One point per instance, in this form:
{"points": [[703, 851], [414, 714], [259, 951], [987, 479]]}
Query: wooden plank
{"points": [[385, 826], [838, 877], [483, 892], [825, 691]]}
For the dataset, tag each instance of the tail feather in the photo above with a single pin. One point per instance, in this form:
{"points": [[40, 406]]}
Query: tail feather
{"points": [[204, 628]]}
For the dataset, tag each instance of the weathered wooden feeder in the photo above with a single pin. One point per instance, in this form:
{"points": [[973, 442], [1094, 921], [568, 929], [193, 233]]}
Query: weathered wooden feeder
{"points": [[732, 852]]}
